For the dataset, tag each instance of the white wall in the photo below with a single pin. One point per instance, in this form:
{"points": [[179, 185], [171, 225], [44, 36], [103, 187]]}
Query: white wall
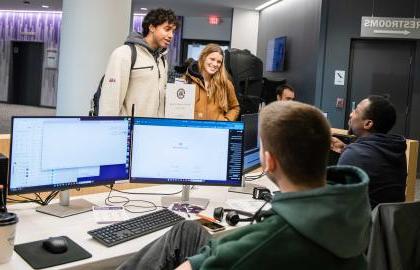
{"points": [[90, 31], [199, 28], [245, 29]]}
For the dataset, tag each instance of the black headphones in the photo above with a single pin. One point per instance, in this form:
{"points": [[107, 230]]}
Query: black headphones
{"points": [[232, 216]]}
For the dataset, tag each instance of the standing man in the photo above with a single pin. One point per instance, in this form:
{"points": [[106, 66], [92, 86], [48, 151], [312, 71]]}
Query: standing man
{"points": [[379, 154], [285, 92], [144, 85]]}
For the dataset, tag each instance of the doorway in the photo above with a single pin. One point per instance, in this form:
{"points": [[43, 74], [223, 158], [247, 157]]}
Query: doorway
{"points": [[382, 67], [25, 80]]}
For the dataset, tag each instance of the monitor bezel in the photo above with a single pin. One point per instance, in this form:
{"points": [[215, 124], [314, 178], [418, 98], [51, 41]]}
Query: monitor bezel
{"points": [[166, 182], [36, 189], [256, 166]]}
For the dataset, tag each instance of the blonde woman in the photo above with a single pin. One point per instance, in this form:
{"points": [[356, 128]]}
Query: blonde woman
{"points": [[215, 97]]}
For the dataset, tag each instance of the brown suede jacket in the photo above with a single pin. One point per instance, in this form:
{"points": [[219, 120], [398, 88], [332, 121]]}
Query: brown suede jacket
{"points": [[207, 108]]}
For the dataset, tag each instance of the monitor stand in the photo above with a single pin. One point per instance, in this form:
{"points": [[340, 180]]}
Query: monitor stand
{"points": [[246, 188], [185, 198], [66, 207]]}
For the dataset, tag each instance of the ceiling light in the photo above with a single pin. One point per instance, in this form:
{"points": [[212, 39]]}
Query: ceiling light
{"points": [[266, 4], [45, 6], [139, 14], [31, 11], [143, 8]]}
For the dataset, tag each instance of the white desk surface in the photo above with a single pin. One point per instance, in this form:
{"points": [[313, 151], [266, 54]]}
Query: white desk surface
{"points": [[33, 226]]}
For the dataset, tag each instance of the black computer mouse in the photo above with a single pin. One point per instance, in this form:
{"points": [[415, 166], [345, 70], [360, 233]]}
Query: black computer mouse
{"points": [[55, 245]]}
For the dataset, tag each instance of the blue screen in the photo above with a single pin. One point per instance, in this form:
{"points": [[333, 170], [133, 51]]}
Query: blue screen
{"points": [[50, 153], [275, 55], [191, 152]]}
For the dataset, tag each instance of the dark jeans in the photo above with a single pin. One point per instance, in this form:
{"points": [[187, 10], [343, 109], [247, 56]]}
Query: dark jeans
{"points": [[170, 250]]}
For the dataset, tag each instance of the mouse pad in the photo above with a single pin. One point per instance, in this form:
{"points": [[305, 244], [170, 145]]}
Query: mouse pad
{"points": [[37, 257]]}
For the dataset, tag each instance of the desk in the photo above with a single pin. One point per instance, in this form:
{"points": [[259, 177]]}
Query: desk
{"points": [[35, 226]]}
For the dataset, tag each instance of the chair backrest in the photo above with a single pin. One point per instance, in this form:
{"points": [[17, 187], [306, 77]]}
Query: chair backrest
{"points": [[395, 237], [412, 153]]}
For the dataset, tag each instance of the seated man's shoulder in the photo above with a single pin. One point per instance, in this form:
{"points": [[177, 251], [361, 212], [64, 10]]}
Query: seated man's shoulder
{"points": [[271, 247], [262, 229], [355, 153]]}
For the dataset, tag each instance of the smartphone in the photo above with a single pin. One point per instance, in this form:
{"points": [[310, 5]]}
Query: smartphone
{"points": [[211, 226]]}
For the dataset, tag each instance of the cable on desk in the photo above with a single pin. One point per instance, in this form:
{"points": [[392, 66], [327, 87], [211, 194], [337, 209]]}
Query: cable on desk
{"points": [[9, 200], [250, 178], [125, 202], [38, 199], [142, 193], [51, 197]]}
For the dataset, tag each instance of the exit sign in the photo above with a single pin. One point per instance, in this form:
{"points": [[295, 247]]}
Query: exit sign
{"points": [[214, 20]]}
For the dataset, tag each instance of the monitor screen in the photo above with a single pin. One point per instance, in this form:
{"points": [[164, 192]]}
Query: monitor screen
{"points": [[275, 55], [194, 50], [54, 153], [251, 142], [191, 152]]}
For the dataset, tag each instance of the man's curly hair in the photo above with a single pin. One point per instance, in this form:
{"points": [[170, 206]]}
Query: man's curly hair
{"points": [[157, 17]]}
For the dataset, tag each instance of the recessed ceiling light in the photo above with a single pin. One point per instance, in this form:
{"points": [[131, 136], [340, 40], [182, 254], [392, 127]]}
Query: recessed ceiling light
{"points": [[45, 6], [266, 4], [31, 11], [143, 8]]}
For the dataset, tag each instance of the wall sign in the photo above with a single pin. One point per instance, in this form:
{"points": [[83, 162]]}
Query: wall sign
{"points": [[339, 77], [52, 58], [388, 27]]}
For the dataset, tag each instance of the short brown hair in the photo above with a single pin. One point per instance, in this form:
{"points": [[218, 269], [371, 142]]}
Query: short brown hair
{"points": [[299, 136], [283, 87]]}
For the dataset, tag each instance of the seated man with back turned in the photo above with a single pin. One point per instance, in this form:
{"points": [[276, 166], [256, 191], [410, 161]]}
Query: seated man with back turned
{"points": [[319, 220], [380, 155]]}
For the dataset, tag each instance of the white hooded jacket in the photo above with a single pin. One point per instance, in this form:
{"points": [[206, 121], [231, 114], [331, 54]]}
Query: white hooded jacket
{"points": [[144, 86]]}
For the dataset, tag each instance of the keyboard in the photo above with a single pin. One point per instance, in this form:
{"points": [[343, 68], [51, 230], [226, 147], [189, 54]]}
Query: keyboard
{"points": [[120, 232]]}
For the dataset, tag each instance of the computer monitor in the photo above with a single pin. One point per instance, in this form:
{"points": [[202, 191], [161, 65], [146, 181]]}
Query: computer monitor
{"points": [[59, 153], [194, 50], [251, 151], [188, 152], [251, 142]]}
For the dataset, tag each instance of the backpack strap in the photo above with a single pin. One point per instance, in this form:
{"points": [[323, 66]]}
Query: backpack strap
{"points": [[133, 54], [163, 58], [95, 101]]}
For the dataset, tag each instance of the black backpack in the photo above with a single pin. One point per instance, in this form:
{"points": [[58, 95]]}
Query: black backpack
{"points": [[246, 71], [94, 103]]}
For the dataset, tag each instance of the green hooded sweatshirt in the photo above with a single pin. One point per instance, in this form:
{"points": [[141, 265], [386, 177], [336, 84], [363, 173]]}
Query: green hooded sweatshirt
{"points": [[322, 228]]}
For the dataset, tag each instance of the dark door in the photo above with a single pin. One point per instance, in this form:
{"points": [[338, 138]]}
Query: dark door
{"points": [[382, 67], [26, 73]]}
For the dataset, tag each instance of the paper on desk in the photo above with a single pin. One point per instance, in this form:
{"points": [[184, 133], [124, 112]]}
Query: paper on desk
{"points": [[109, 214], [249, 205]]}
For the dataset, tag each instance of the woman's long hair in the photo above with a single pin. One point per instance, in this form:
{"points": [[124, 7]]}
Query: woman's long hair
{"points": [[219, 82]]}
